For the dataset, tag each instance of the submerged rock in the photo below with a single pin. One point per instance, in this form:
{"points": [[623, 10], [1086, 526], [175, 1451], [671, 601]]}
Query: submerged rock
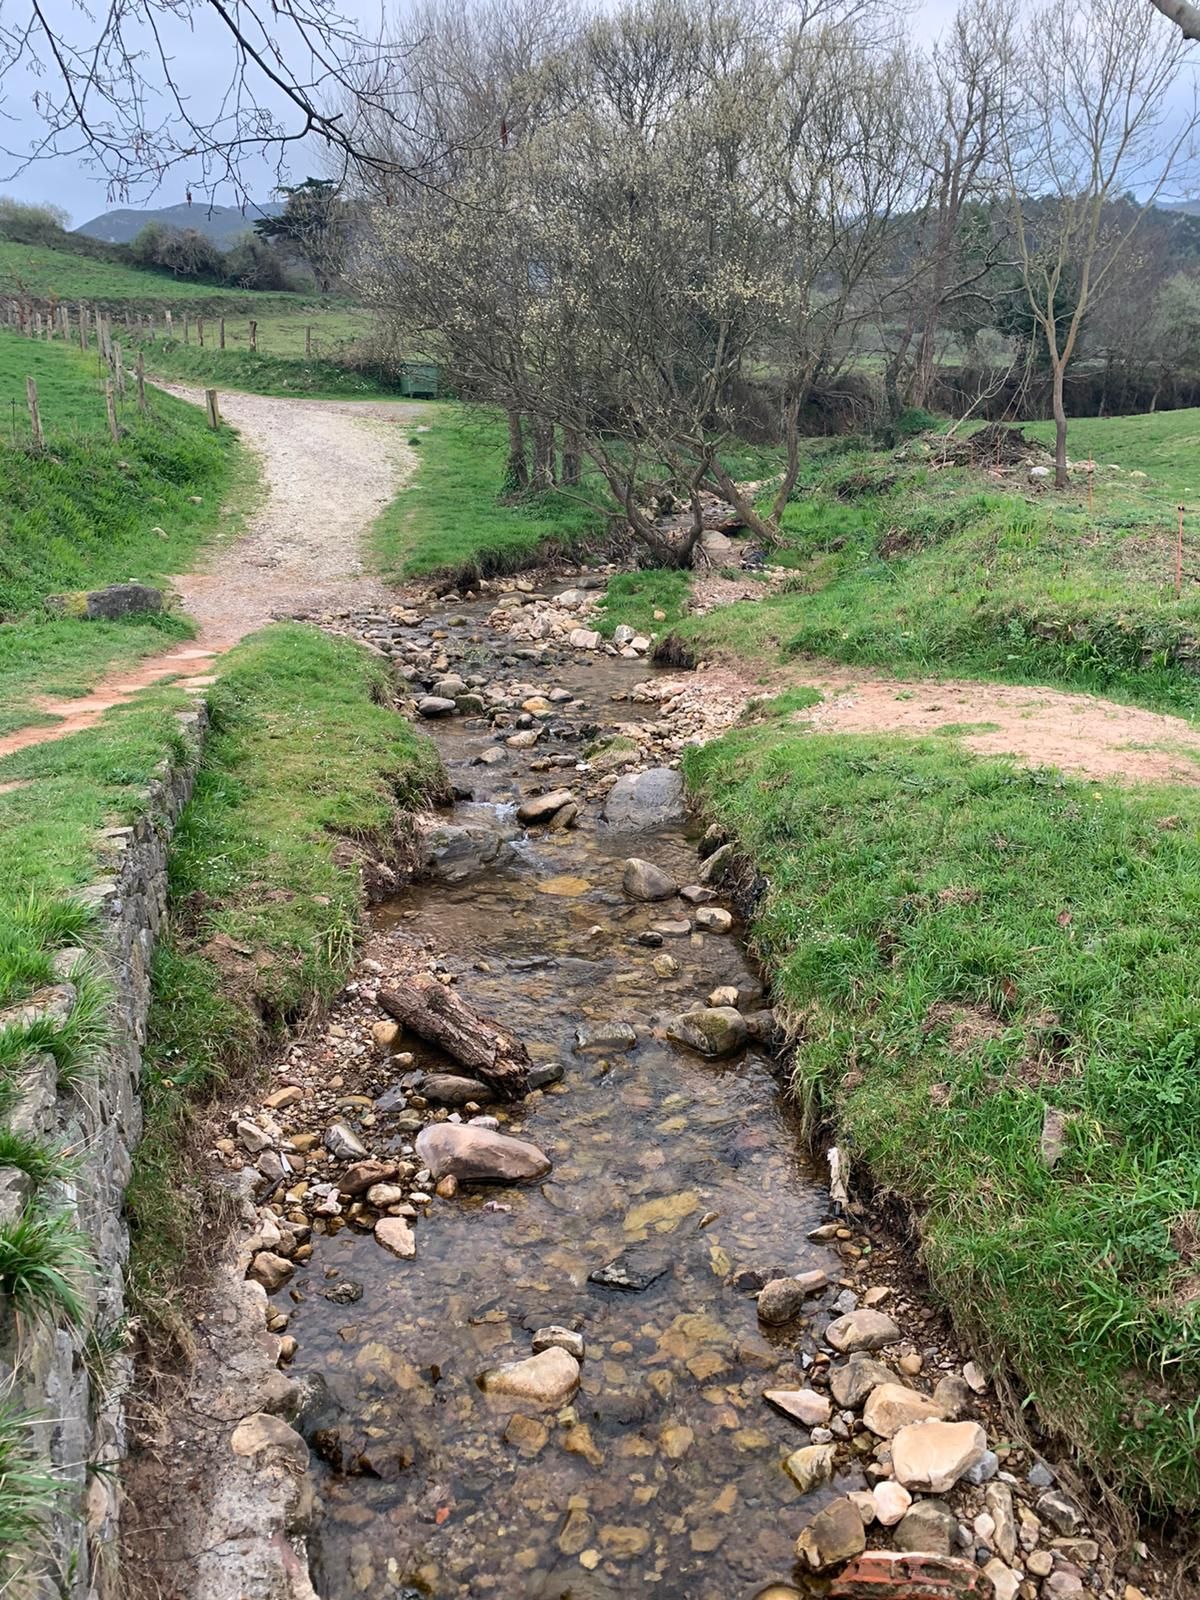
{"points": [[604, 1036], [479, 1155], [395, 1235], [549, 1378]]}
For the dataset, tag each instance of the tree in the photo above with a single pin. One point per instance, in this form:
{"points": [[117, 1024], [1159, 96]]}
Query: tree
{"points": [[1086, 116], [315, 223], [107, 87], [182, 251]]}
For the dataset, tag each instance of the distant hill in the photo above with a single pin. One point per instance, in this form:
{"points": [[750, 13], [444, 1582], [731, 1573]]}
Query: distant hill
{"points": [[224, 225]]}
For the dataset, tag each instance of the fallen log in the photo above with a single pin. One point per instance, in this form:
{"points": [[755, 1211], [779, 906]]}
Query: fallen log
{"points": [[436, 1014]]}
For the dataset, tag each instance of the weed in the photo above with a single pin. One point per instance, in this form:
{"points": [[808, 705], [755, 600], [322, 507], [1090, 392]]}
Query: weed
{"points": [[44, 1262], [27, 1494], [42, 1163]]}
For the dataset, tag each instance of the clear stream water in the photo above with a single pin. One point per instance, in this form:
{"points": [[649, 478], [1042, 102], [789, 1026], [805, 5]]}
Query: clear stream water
{"points": [[664, 1476]]}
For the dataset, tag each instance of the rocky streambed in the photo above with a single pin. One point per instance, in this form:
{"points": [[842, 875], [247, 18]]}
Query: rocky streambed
{"points": [[613, 1335]]}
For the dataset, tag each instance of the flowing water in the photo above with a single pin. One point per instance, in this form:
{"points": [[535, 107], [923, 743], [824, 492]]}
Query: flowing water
{"points": [[664, 1475]]}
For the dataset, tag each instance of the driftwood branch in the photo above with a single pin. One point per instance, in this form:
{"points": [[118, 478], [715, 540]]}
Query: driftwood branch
{"points": [[436, 1014]]}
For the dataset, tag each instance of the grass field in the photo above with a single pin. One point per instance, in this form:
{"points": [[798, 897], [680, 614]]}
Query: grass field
{"points": [[902, 564], [966, 947], [452, 517], [44, 274], [88, 512], [304, 753]]}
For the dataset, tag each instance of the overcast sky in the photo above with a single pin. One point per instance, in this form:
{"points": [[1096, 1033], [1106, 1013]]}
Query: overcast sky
{"points": [[203, 66]]}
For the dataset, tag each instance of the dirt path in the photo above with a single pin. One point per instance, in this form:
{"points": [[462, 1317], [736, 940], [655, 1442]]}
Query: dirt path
{"points": [[328, 468]]}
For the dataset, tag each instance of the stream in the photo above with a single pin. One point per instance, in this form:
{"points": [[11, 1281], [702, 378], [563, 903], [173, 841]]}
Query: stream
{"points": [[664, 1473]]}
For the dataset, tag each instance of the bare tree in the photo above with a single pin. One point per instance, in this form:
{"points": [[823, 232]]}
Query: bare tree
{"points": [[1087, 116], [107, 86]]}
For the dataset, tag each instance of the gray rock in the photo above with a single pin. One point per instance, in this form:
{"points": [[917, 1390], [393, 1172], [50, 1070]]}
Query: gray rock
{"points": [[985, 1469], [713, 919], [642, 880], [782, 1298], [719, 865], [850, 1385], [478, 1155], [447, 1089], [1039, 1475], [561, 1338], [862, 1330], [712, 1031], [929, 1526], [633, 1270], [546, 1073], [451, 853], [108, 605], [601, 1037], [1060, 1511], [647, 799], [343, 1144], [435, 705]]}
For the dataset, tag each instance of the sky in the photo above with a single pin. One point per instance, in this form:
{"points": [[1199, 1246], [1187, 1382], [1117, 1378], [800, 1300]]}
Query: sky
{"points": [[202, 57]]}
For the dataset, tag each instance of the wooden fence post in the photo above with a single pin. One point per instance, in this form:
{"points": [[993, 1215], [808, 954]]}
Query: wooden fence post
{"points": [[308, 342], [83, 326], [254, 336], [186, 329], [35, 416], [210, 404], [169, 332], [141, 381], [110, 405], [200, 331], [119, 369], [221, 333]]}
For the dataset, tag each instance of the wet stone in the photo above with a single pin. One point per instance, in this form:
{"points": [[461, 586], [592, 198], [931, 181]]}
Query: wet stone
{"points": [[862, 1330], [602, 1037], [479, 1155], [549, 1378], [713, 1031], [642, 880], [783, 1298], [832, 1537], [632, 1271]]}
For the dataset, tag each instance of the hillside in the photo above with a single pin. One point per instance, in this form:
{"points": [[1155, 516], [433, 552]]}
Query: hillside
{"points": [[224, 225], [40, 273]]}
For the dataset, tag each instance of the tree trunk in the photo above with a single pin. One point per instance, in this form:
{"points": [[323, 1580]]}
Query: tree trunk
{"points": [[543, 455], [571, 453], [516, 468], [1060, 428], [437, 1015]]}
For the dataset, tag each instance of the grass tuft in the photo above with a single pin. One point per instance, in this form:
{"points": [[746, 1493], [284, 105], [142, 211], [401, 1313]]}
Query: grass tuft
{"points": [[27, 1494], [44, 1263]]}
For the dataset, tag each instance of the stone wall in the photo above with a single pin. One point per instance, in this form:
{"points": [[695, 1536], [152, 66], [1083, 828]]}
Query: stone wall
{"points": [[55, 1373]]}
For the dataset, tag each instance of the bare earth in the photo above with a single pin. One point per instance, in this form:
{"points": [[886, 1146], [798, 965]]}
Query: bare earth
{"points": [[329, 468]]}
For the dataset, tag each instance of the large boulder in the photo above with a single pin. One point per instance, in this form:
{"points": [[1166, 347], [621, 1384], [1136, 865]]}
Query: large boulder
{"points": [[479, 1155], [712, 1031], [647, 799], [110, 604], [450, 852]]}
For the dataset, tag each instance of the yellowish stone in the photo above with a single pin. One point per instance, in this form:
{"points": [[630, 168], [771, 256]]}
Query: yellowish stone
{"points": [[564, 885]]}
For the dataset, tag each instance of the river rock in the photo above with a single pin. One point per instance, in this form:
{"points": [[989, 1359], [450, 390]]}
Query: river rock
{"points": [[383, 1195], [343, 1144], [584, 639], [811, 1466], [549, 1378], [833, 1536], [954, 1397], [802, 1405], [891, 1502], [782, 1298], [1060, 1511], [452, 853], [554, 1337], [479, 1155], [395, 1235], [364, 1175], [712, 1031], [930, 1526], [642, 880], [542, 807], [850, 1385], [934, 1455], [718, 866], [712, 919], [862, 1330], [647, 799], [604, 1036], [447, 1089], [1005, 1582], [998, 1499], [891, 1407], [271, 1270], [436, 705]]}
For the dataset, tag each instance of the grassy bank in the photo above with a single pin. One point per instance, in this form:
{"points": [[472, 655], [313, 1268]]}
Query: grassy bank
{"points": [[86, 512], [316, 378], [904, 564], [453, 519], [969, 950], [41, 273], [303, 771]]}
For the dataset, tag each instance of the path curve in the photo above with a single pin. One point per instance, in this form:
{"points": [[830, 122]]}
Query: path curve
{"points": [[328, 469]]}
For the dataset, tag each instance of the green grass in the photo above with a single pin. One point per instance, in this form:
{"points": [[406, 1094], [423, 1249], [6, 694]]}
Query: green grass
{"points": [[321, 378], [44, 1264], [41, 273], [903, 565], [305, 763], [452, 518], [27, 1495], [963, 944], [633, 598]]}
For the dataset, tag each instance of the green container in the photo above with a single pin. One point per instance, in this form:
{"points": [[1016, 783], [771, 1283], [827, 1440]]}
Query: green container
{"points": [[419, 380]]}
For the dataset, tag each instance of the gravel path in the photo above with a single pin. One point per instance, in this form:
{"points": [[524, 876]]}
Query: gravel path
{"points": [[328, 468]]}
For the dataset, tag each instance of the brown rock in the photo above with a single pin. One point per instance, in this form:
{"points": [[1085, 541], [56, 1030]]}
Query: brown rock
{"points": [[541, 808], [271, 1270], [805, 1406], [548, 1379], [395, 1235], [363, 1175], [934, 1455], [892, 1407], [479, 1155], [833, 1536], [863, 1329]]}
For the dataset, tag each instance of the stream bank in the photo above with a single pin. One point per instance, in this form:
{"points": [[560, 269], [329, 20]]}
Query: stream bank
{"points": [[682, 1242]]}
